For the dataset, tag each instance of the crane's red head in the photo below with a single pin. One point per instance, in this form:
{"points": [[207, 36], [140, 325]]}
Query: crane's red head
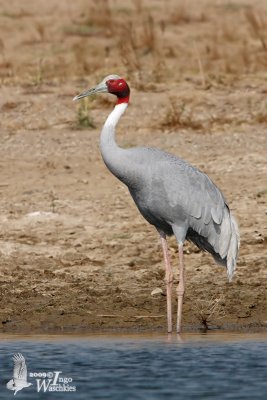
{"points": [[111, 84], [120, 88]]}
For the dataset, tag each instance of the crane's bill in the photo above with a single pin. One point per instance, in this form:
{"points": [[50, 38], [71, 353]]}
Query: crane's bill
{"points": [[101, 88]]}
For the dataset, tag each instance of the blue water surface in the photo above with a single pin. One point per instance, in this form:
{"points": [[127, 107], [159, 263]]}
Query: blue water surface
{"points": [[141, 367]]}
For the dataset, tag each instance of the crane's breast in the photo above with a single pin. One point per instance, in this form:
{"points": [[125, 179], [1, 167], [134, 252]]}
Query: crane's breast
{"points": [[154, 204], [151, 214]]}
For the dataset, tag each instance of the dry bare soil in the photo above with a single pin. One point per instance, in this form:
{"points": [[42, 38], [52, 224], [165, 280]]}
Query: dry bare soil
{"points": [[75, 253]]}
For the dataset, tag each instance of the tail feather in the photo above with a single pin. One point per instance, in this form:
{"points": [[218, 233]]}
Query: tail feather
{"points": [[228, 242], [222, 244], [233, 248]]}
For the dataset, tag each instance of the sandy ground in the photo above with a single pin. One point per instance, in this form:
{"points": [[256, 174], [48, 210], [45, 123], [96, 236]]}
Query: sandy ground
{"points": [[75, 253]]}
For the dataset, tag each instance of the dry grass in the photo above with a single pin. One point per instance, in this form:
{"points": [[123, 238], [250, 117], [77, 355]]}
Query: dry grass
{"points": [[182, 14], [257, 113], [209, 311], [199, 112], [166, 43], [141, 45], [6, 66], [150, 44], [97, 18], [148, 39], [81, 63], [53, 201], [257, 25], [38, 76], [200, 66], [40, 28], [139, 7], [129, 52], [180, 115], [84, 118]]}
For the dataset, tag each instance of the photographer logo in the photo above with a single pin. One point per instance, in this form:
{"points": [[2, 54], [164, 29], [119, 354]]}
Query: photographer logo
{"points": [[51, 381]]}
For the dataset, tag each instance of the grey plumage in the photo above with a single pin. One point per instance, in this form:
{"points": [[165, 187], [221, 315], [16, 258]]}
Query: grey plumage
{"points": [[175, 197]]}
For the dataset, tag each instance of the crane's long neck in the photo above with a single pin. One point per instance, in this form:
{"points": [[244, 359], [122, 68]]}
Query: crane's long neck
{"points": [[113, 155]]}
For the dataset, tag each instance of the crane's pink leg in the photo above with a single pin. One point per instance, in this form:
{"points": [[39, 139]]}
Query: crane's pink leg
{"points": [[180, 288], [169, 279]]}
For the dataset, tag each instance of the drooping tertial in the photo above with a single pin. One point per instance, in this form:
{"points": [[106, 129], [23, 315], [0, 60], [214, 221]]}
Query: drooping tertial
{"points": [[171, 194]]}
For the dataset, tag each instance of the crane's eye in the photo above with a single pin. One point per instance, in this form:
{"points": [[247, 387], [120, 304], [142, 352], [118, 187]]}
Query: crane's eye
{"points": [[120, 84]]}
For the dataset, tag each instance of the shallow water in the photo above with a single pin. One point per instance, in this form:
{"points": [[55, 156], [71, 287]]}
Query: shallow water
{"points": [[208, 366]]}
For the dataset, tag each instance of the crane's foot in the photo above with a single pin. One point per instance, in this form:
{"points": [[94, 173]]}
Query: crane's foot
{"points": [[180, 289], [180, 293], [168, 279]]}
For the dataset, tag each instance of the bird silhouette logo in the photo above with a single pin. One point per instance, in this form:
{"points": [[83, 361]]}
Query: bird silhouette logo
{"points": [[19, 380]]}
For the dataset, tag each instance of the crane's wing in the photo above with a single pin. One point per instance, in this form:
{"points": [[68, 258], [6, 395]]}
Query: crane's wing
{"points": [[163, 177], [20, 369], [176, 197], [194, 198], [179, 183], [196, 193]]}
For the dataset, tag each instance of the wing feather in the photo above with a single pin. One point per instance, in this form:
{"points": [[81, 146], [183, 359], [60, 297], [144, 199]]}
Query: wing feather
{"points": [[20, 369], [194, 192], [186, 192]]}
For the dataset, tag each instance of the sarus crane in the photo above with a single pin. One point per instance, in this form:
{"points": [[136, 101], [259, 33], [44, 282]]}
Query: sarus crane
{"points": [[171, 194]]}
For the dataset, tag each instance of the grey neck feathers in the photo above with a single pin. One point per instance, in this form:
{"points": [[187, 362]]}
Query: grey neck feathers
{"points": [[113, 155]]}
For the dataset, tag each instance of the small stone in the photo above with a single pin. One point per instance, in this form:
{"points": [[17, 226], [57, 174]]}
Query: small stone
{"points": [[156, 291]]}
